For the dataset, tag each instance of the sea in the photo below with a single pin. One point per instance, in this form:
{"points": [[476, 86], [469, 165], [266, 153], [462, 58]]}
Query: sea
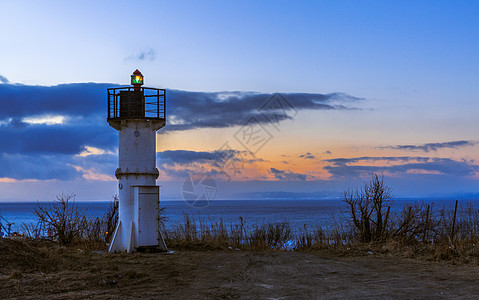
{"points": [[299, 213]]}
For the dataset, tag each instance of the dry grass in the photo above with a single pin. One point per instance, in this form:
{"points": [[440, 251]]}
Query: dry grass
{"points": [[204, 234], [416, 231], [18, 256]]}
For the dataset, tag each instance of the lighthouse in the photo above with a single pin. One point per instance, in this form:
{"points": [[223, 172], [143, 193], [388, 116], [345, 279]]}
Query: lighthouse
{"points": [[137, 113]]}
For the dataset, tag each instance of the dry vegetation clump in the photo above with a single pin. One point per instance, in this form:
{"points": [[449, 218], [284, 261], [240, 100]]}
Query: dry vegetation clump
{"points": [[417, 230], [204, 234], [270, 236], [63, 221], [18, 256]]}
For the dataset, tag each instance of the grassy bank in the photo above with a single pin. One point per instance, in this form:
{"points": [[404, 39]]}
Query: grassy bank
{"points": [[418, 230]]}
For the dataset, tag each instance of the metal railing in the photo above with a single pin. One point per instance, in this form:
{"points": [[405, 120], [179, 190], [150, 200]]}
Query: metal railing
{"points": [[128, 103]]}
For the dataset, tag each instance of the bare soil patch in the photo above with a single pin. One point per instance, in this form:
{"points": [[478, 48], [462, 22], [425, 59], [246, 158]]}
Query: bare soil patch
{"points": [[46, 271]]}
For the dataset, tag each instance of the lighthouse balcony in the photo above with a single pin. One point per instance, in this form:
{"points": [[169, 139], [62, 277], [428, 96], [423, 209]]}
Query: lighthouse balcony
{"points": [[130, 103]]}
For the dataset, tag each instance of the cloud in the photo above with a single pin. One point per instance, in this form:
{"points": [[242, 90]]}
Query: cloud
{"points": [[287, 175], [183, 157], [86, 100], [82, 109], [58, 166], [41, 167], [105, 163], [344, 161], [149, 54], [347, 167], [431, 146], [308, 155], [3, 79], [180, 163], [221, 163], [190, 110], [39, 124], [54, 139]]}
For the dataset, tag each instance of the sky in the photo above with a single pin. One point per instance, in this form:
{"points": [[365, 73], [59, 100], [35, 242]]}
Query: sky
{"points": [[337, 89]]}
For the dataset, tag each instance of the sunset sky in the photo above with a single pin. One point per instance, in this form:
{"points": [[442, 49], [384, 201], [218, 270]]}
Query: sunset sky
{"points": [[364, 86]]}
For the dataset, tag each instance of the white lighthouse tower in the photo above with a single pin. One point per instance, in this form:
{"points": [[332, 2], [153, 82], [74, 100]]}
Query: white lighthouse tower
{"points": [[137, 113]]}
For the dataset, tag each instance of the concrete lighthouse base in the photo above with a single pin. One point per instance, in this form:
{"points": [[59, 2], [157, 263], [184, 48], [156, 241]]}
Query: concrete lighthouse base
{"points": [[142, 230]]}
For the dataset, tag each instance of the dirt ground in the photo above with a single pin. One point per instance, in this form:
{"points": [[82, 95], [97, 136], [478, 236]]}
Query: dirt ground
{"points": [[34, 274]]}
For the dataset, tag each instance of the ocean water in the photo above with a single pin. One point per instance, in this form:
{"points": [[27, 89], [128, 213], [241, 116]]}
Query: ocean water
{"points": [[299, 213]]}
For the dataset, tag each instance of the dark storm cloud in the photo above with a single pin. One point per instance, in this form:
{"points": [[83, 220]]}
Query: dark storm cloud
{"points": [[444, 166], [190, 110], [3, 79], [431, 146], [287, 175]]}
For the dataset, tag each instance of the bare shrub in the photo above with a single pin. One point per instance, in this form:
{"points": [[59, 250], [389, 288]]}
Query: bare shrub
{"points": [[92, 229], [417, 228], [415, 222], [70, 224], [63, 216], [369, 208]]}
